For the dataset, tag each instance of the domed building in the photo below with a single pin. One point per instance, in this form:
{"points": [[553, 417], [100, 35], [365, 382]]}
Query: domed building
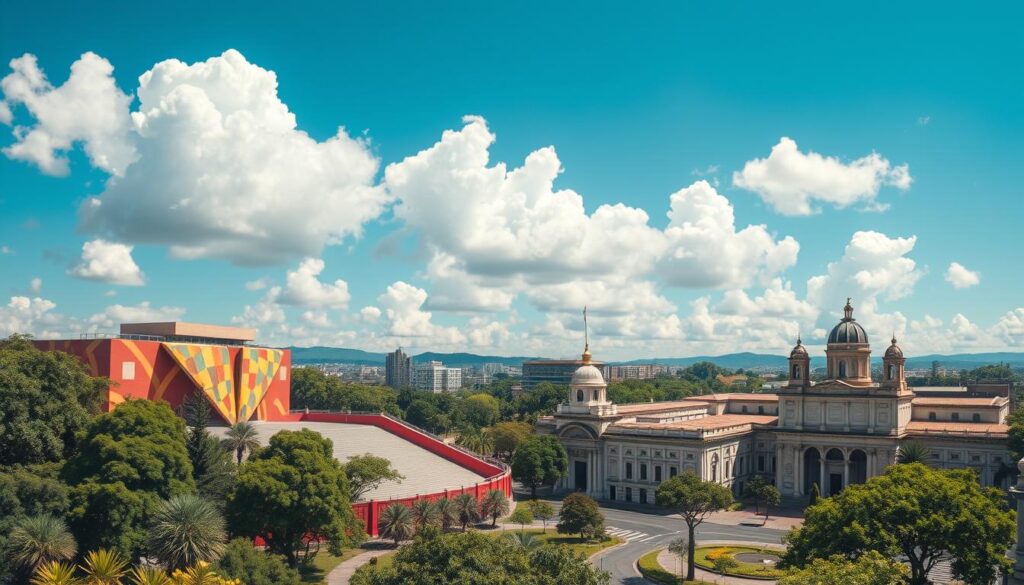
{"points": [[841, 429]]}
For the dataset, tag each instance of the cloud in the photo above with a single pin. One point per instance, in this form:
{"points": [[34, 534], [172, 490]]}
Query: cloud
{"points": [[6, 251], [114, 315], [369, 314], [35, 285], [705, 250], [108, 262], [27, 315], [305, 290], [88, 109], [265, 312], [960, 277], [402, 303], [791, 181], [1010, 328], [258, 191], [258, 284]]}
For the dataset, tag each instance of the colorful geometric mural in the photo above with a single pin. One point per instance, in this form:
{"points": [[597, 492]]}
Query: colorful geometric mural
{"points": [[210, 368], [256, 370]]}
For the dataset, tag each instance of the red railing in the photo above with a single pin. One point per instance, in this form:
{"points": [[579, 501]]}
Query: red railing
{"points": [[496, 475]]}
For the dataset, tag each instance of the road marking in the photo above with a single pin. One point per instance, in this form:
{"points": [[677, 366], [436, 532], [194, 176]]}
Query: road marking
{"points": [[630, 535]]}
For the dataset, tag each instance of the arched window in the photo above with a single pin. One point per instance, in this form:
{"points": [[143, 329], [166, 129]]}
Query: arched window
{"points": [[892, 372], [579, 396], [796, 372], [595, 395], [714, 468], [842, 368]]}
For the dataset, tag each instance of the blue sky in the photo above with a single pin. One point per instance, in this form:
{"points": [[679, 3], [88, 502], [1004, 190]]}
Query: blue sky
{"points": [[639, 103]]}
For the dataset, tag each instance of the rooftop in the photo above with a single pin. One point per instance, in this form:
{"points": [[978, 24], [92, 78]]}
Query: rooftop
{"points": [[181, 329], [976, 401], [707, 423], [928, 427]]}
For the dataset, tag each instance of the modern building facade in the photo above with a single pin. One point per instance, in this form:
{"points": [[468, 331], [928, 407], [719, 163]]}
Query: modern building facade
{"points": [[398, 369], [434, 377], [636, 371], [558, 372], [833, 433], [170, 361]]}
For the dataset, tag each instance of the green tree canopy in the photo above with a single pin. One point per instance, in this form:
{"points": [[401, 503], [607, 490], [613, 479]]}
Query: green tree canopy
{"points": [[475, 558], [254, 567], [581, 515], [211, 464], [47, 398], [870, 569], [366, 472], [421, 413], [540, 461], [508, 435], [693, 499], [315, 390], [481, 410], [916, 512], [291, 490]]}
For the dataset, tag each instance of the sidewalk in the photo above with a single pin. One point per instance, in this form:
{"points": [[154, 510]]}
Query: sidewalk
{"points": [[780, 519]]}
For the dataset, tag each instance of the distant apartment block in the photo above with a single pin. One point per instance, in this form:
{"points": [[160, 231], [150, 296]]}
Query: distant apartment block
{"points": [[636, 372], [398, 369], [555, 371], [435, 377]]}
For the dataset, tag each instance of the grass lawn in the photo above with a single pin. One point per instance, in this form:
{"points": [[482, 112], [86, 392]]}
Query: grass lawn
{"points": [[322, 564], [653, 571], [741, 569]]}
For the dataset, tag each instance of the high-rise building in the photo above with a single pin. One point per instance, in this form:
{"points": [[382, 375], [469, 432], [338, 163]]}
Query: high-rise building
{"points": [[398, 369], [435, 377], [555, 371]]}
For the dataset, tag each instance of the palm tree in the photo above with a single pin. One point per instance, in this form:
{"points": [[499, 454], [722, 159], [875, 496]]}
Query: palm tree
{"points": [[104, 567], [241, 437], [476, 440], [466, 510], [185, 530], [396, 523], [40, 539], [424, 514], [149, 576], [914, 452], [55, 573], [495, 505], [446, 512], [524, 540]]}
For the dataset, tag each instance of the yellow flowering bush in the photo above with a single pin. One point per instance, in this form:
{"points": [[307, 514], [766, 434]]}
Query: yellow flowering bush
{"points": [[201, 574]]}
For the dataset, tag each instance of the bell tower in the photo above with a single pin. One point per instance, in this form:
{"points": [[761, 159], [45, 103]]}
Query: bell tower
{"points": [[893, 362], [799, 366]]}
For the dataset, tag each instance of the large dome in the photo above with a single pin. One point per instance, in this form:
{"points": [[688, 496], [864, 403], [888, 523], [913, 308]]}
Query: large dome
{"points": [[587, 375], [848, 330]]}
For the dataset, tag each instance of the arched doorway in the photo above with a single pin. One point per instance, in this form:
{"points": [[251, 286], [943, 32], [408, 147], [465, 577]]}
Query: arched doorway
{"points": [[812, 470], [835, 463], [858, 466]]}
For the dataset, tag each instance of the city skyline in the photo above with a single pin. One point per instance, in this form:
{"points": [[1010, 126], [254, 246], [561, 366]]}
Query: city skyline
{"points": [[706, 182]]}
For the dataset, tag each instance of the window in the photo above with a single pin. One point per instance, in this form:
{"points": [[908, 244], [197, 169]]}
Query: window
{"points": [[689, 456], [284, 373], [579, 396], [595, 395], [931, 416], [128, 370], [760, 410], [643, 496], [956, 416], [842, 369], [976, 417], [672, 471], [629, 470], [728, 468], [760, 462], [643, 472], [796, 372], [892, 372], [629, 494], [954, 457], [611, 492], [714, 469], [744, 409], [657, 473]]}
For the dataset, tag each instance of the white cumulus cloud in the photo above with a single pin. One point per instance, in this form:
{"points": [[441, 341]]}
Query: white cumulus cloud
{"points": [[304, 289], [791, 181], [108, 262], [403, 311], [112, 317], [960, 277]]}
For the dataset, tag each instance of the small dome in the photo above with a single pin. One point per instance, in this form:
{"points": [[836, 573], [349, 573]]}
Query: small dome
{"points": [[587, 375], [894, 350], [799, 351], [848, 330]]}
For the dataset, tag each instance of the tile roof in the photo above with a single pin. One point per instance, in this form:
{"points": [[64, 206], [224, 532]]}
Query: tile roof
{"points": [[977, 401], [721, 421], [951, 427]]}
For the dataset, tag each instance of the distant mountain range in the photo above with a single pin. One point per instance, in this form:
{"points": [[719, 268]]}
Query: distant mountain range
{"points": [[745, 360]]}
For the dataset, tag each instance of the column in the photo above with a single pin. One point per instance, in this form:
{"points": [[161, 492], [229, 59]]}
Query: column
{"points": [[822, 472], [779, 480], [590, 473], [823, 419], [846, 470], [798, 471]]}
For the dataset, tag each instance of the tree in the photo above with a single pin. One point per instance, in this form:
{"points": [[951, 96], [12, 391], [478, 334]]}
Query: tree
{"points": [[917, 512], [914, 452], [680, 547], [47, 398], [508, 435], [367, 472], [446, 512], [693, 499], [421, 413], [104, 567], [128, 460], [476, 440], [480, 410], [149, 576], [870, 569], [580, 515], [425, 514], [541, 510], [470, 557], [315, 390], [211, 465], [495, 505], [242, 437], [466, 510], [185, 530], [254, 567], [396, 523], [815, 495], [37, 540], [540, 461], [762, 492], [522, 517], [293, 495], [55, 573]]}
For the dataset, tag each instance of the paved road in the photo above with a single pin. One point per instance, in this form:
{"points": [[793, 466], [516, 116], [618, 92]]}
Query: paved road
{"points": [[645, 532]]}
